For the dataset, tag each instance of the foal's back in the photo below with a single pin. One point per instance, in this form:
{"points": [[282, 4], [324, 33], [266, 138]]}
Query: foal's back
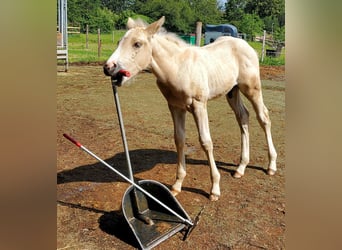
{"points": [[228, 61], [234, 51]]}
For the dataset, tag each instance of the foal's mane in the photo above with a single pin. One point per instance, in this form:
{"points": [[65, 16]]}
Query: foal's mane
{"points": [[171, 37]]}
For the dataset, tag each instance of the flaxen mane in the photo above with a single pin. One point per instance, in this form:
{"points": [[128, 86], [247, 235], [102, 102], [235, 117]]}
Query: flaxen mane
{"points": [[172, 38], [163, 32]]}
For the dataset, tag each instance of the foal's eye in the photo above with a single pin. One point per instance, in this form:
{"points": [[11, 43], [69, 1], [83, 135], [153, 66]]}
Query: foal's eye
{"points": [[137, 45]]}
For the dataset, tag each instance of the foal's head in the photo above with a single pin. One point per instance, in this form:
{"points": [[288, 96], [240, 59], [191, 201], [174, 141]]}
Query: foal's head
{"points": [[134, 51]]}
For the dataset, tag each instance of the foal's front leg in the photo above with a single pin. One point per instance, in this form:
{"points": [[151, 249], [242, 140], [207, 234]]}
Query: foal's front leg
{"points": [[178, 117], [199, 111]]}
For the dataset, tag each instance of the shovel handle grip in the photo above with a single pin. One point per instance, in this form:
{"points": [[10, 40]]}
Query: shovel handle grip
{"points": [[72, 140]]}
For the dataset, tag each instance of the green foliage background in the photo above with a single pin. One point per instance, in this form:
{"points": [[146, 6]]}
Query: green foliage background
{"points": [[250, 16]]}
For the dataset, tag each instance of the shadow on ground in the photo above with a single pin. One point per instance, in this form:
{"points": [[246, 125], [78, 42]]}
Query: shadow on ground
{"points": [[141, 160], [112, 223]]}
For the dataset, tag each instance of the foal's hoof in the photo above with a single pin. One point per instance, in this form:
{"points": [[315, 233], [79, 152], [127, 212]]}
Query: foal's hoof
{"points": [[174, 192], [214, 197], [271, 171], [237, 175]]}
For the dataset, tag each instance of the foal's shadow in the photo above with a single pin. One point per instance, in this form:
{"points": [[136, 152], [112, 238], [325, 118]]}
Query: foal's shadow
{"points": [[141, 160]]}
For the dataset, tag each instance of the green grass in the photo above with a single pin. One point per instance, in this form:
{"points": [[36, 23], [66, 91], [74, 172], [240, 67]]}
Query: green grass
{"points": [[268, 60], [79, 53]]}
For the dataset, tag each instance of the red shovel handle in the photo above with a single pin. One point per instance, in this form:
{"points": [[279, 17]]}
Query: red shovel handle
{"points": [[72, 140]]}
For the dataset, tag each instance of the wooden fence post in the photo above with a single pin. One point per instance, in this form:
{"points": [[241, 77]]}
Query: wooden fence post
{"points": [[98, 43], [87, 31], [198, 33], [263, 46]]}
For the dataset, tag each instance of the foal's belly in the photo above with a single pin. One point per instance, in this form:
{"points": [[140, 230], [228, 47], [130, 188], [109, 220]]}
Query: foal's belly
{"points": [[175, 97]]}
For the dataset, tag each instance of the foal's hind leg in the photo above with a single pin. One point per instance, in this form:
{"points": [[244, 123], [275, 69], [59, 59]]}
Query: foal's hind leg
{"points": [[242, 117], [178, 117], [252, 91]]}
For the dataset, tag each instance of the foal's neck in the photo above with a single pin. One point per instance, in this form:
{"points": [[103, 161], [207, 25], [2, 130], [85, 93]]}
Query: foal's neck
{"points": [[165, 51], [167, 44]]}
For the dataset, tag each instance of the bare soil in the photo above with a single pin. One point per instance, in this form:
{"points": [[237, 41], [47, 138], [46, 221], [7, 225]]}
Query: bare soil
{"points": [[250, 213]]}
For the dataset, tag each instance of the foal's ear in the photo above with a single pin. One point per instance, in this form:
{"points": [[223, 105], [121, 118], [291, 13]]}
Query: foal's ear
{"points": [[154, 27], [130, 23]]}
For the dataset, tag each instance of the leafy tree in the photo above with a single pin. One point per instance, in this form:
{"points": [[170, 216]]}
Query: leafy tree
{"points": [[178, 14], [271, 11], [264, 8], [235, 10], [271, 23], [206, 11], [281, 15], [103, 19], [90, 12], [124, 15], [251, 24], [252, 16], [181, 15], [279, 34], [117, 6]]}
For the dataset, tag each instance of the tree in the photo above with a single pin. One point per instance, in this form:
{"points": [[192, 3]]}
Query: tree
{"points": [[206, 11], [271, 11], [271, 23], [123, 18], [264, 8], [181, 15], [178, 14], [235, 10], [104, 19], [251, 24], [279, 35], [252, 16], [117, 6], [90, 12]]}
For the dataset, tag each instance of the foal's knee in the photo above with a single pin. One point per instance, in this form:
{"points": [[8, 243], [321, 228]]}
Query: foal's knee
{"points": [[264, 118], [207, 145]]}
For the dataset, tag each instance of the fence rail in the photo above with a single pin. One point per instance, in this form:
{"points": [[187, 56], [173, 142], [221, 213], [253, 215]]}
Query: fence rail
{"points": [[89, 48], [72, 29]]}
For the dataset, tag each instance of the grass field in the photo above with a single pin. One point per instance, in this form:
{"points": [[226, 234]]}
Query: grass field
{"points": [[79, 53]]}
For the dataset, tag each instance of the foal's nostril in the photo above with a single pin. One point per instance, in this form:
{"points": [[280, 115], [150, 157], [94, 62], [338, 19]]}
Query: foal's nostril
{"points": [[109, 67], [106, 70]]}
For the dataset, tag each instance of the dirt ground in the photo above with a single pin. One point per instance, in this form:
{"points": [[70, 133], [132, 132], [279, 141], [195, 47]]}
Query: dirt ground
{"points": [[250, 213]]}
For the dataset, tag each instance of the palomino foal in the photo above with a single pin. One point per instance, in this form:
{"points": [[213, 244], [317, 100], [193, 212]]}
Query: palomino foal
{"points": [[189, 76]]}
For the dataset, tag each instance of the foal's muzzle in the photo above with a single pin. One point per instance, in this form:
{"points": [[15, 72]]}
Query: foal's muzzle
{"points": [[107, 70], [117, 75]]}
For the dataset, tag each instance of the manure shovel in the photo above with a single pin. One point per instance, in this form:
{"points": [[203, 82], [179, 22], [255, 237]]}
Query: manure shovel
{"points": [[152, 212]]}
